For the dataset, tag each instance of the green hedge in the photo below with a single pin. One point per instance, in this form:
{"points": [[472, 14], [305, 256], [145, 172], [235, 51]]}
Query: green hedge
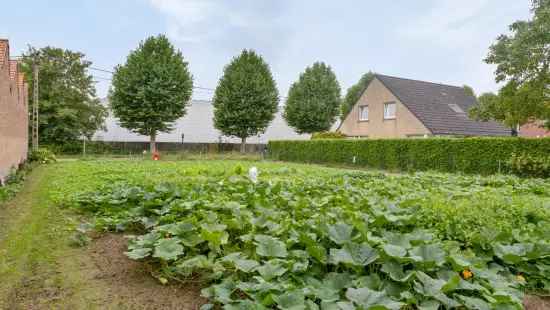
{"points": [[468, 155]]}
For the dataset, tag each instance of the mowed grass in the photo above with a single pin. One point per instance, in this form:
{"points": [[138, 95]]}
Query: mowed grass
{"points": [[35, 236]]}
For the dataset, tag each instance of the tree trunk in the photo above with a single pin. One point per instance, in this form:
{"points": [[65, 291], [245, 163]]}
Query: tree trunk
{"points": [[84, 146], [243, 145], [153, 143]]}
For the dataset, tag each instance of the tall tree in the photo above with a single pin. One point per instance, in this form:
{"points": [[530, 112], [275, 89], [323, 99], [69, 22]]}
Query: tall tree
{"points": [[523, 61], [246, 98], [68, 105], [152, 89], [354, 93], [469, 90], [513, 106], [314, 100]]}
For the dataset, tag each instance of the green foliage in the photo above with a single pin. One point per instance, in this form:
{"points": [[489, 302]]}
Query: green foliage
{"points": [[13, 182], [528, 165], [325, 238], [314, 100], [328, 135], [43, 156], [69, 108], [152, 89], [514, 105], [469, 155], [246, 97], [354, 93], [523, 59], [469, 90]]}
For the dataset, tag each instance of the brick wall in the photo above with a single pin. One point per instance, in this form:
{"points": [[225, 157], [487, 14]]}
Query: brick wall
{"points": [[534, 130], [13, 113]]}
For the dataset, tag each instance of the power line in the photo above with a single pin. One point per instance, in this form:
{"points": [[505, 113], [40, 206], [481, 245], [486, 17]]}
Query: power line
{"points": [[112, 72], [102, 70]]}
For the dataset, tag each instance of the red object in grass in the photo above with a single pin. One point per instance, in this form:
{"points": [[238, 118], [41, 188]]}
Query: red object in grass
{"points": [[156, 156]]}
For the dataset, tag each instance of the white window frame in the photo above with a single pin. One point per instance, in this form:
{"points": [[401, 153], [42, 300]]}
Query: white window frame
{"points": [[386, 105], [361, 119]]}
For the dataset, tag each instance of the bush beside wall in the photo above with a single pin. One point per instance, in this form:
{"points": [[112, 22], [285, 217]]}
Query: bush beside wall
{"points": [[468, 155]]}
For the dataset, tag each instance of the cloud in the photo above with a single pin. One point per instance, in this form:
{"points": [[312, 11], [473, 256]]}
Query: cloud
{"points": [[227, 24], [448, 23]]}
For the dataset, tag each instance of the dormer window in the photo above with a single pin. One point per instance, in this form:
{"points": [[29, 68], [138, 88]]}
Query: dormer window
{"points": [[456, 108]]}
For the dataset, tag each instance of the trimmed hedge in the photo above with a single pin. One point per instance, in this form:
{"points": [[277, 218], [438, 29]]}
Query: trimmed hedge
{"points": [[468, 155]]}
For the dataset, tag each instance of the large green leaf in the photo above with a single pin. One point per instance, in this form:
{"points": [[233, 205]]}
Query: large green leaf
{"points": [[394, 251], [369, 299], [340, 233], [271, 269], [428, 253], [138, 253], [168, 249], [293, 300], [270, 247]]}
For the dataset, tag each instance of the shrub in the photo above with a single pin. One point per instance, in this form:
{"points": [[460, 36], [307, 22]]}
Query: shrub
{"points": [[328, 135], [528, 165], [43, 156], [469, 155]]}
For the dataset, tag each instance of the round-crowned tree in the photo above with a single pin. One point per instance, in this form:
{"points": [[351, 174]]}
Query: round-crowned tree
{"points": [[246, 98], [152, 89], [314, 100]]}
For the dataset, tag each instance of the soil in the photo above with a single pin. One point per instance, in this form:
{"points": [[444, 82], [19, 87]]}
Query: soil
{"points": [[130, 282], [531, 302], [100, 276]]}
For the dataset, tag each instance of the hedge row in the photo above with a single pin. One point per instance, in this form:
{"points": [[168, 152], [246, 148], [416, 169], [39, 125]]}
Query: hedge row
{"points": [[468, 155]]}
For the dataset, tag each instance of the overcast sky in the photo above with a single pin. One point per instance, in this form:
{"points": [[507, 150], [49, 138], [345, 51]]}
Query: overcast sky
{"points": [[434, 40]]}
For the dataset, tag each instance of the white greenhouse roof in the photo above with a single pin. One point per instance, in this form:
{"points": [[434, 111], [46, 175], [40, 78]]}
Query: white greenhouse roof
{"points": [[197, 126]]}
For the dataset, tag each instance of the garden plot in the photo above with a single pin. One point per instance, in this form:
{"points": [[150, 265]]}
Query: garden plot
{"points": [[302, 237]]}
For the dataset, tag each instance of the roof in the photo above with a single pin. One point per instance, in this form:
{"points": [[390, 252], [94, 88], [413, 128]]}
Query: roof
{"points": [[439, 106], [4, 47], [198, 126]]}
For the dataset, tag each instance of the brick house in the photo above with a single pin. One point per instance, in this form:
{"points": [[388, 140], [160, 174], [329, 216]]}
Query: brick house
{"points": [[13, 113], [534, 130], [393, 107]]}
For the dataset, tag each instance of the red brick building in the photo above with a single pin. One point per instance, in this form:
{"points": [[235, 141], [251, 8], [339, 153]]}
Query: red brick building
{"points": [[534, 130], [13, 112]]}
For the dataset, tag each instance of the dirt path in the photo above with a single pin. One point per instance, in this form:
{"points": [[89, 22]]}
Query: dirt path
{"points": [[40, 270]]}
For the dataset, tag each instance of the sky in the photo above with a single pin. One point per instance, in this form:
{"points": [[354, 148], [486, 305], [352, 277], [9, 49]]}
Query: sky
{"points": [[443, 41]]}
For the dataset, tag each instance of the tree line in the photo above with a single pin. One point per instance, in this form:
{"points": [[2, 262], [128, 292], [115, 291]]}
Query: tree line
{"points": [[153, 88]]}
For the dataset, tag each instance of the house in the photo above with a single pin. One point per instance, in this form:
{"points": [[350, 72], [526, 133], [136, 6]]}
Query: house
{"points": [[13, 113], [393, 107], [197, 126], [534, 130]]}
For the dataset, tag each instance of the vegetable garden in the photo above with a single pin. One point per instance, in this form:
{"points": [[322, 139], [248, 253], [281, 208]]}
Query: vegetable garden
{"points": [[306, 237]]}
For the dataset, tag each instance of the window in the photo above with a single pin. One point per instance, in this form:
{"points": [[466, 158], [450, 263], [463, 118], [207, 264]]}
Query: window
{"points": [[456, 108], [389, 110], [364, 113]]}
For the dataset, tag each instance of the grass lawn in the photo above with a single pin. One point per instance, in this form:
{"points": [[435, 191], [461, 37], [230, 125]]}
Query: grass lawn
{"points": [[302, 236]]}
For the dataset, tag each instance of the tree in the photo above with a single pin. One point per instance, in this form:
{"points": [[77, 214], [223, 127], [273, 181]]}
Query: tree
{"points": [[469, 90], [314, 100], [246, 98], [152, 89], [513, 105], [354, 93], [523, 61], [68, 105]]}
